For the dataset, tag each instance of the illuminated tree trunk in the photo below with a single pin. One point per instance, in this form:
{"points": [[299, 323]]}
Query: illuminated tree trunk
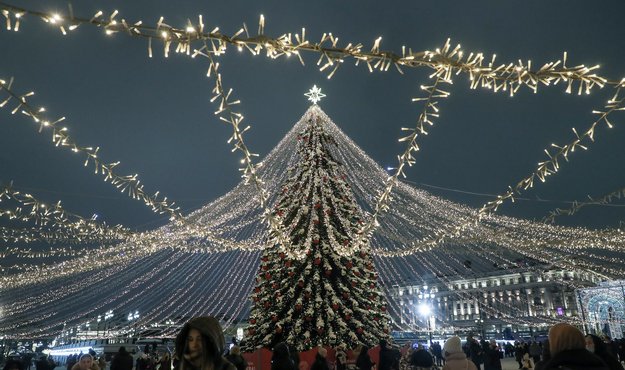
{"points": [[319, 290]]}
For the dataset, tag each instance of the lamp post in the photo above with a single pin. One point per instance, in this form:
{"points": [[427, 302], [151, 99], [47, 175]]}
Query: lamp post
{"points": [[134, 317], [108, 315], [425, 311]]}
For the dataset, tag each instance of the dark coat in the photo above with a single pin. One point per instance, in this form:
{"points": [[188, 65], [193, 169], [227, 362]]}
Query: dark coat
{"points": [[363, 362], [492, 359], [320, 363], [389, 359], [575, 359], [237, 360], [122, 361], [421, 358], [281, 359]]}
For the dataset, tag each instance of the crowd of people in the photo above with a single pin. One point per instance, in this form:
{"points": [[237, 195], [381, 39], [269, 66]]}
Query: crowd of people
{"points": [[201, 345]]}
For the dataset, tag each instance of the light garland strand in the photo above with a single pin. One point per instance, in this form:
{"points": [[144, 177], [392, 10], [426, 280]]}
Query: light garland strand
{"points": [[249, 171], [129, 184], [577, 205], [482, 71], [552, 165], [430, 109], [63, 224]]}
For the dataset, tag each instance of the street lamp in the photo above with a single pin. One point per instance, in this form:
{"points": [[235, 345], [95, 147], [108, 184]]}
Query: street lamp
{"points": [[131, 317], [107, 315], [425, 311]]}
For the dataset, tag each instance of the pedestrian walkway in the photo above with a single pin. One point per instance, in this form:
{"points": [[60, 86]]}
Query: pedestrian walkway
{"points": [[509, 364]]}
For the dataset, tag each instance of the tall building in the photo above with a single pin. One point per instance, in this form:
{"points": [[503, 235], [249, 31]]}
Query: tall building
{"points": [[514, 303]]}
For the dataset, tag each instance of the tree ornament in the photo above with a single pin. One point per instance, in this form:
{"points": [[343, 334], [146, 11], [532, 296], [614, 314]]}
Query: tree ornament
{"points": [[252, 321], [335, 306], [360, 330], [317, 261]]}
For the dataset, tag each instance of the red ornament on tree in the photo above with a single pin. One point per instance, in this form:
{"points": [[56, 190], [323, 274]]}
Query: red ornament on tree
{"points": [[267, 304], [320, 331], [349, 264], [308, 318], [360, 330], [267, 276], [345, 295], [252, 321], [298, 307], [383, 308], [317, 261], [287, 263], [348, 317], [251, 331], [328, 272], [300, 283], [317, 205], [335, 306], [315, 241], [274, 318], [282, 255]]}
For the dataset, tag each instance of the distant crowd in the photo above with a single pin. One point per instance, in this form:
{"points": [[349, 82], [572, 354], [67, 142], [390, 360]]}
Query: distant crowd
{"points": [[201, 346]]}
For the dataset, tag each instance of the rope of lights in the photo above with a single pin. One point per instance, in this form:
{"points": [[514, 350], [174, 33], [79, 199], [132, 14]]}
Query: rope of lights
{"points": [[577, 205], [129, 184], [482, 71]]}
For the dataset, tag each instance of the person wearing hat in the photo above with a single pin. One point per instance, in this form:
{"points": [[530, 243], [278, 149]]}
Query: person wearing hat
{"points": [[200, 345], [455, 359]]}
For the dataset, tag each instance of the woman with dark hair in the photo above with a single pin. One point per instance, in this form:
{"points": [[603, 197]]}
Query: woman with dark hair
{"points": [[200, 345], [595, 345]]}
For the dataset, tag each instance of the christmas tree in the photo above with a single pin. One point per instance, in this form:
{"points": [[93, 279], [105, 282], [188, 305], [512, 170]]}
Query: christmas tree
{"points": [[320, 289]]}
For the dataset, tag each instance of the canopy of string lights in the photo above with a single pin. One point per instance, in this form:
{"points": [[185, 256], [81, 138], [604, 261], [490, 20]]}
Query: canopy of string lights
{"points": [[60, 268]]}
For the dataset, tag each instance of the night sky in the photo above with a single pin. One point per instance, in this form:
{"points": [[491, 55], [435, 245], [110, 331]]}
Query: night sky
{"points": [[154, 115]]}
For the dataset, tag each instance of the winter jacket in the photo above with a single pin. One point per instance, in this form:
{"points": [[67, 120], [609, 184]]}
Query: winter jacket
{"points": [[492, 359], [320, 363], [575, 359], [237, 360], [458, 361], [281, 360], [122, 361]]}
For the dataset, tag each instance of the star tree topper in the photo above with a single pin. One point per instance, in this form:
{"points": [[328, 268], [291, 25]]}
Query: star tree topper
{"points": [[314, 94]]}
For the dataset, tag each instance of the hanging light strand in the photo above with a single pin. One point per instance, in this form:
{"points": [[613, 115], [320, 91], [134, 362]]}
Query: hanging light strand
{"points": [[482, 71], [128, 184]]}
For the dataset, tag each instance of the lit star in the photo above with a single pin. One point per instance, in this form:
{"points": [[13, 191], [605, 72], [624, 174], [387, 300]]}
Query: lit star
{"points": [[314, 94]]}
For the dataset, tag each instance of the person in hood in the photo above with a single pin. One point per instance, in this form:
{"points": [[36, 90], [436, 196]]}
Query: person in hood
{"points": [[200, 345], [568, 350], [595, 345]]}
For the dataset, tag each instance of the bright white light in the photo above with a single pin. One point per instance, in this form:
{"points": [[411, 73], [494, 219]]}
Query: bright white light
{"points": [[424, 309]]}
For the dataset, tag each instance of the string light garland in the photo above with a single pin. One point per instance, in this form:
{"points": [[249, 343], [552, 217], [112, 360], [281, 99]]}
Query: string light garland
{"points": [[70, 225], [430, 109], [482, 71], [129, 184], [552, 165], [577, 205]]}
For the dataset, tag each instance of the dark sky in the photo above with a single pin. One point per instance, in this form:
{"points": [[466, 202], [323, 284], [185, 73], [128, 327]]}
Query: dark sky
{"points": [[154, 115]]}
